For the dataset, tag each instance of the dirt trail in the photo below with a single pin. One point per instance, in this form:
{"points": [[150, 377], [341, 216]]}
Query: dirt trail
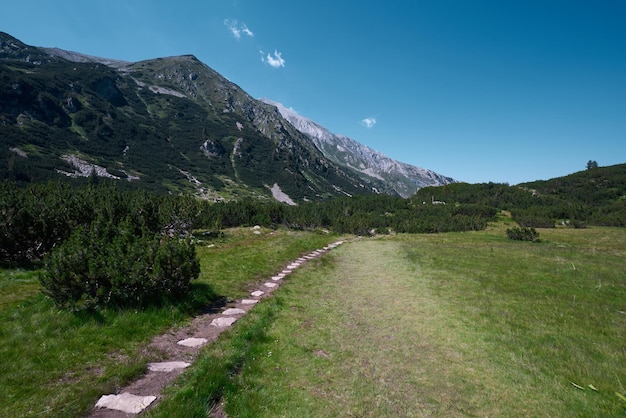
{"points": [[181, 346]]}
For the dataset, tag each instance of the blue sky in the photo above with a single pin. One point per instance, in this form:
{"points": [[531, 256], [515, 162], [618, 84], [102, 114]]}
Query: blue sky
{"points": [[479, 90]]}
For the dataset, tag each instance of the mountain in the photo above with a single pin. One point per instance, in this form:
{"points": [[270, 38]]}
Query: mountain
{"points": [[398, 178], [167, 124]]}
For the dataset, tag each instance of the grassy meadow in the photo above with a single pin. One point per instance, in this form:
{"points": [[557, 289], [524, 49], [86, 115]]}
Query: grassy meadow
{"points": [[57, 364], [455, 324]]}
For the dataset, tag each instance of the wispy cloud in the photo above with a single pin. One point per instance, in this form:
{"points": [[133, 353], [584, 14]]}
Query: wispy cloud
{"points": [[368, 122], [247, 31], [276, 59], [237, 29]]}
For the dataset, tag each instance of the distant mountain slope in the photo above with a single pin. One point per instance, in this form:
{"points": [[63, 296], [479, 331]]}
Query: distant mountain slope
{"points": [[595, 197], [403, 179], [598, 186], [171, 124]]}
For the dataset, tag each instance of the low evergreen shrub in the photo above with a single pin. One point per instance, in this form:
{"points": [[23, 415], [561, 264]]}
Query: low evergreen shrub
{"points": [[523, 234], [108, 265]]}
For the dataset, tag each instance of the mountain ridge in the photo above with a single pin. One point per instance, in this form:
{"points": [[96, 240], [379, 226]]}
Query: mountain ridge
{"points": [[402, 178], [172, 124]]}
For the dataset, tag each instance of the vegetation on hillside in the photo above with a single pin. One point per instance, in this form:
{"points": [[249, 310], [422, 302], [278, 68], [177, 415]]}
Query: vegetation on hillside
{"points": [[596, 196], [39, 217], [170, 124]]}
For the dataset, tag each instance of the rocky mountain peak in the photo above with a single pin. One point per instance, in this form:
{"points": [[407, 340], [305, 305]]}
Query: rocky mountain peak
{"points": [[401, 178], [12, 48]]}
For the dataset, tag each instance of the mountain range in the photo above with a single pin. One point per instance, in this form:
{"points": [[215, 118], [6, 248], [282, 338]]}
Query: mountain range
{"points": [[399, 178], [174, 125]]}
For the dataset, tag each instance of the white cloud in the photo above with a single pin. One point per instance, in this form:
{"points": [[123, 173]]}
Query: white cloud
{"points": [[237, 30], [232, 27], [244, 29], [368, 122], [275, 60]]}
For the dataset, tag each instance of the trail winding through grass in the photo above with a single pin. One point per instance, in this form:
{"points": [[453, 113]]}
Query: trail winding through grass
{"points": [[443, 325], [364, 336]]}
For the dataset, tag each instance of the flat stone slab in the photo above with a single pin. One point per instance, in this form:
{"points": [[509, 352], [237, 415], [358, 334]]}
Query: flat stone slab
{"points": [[193, 342], [125, 402], [270, 284], [223, 322], [167, 366], [249, 301], [233, 311], [257, 293]]}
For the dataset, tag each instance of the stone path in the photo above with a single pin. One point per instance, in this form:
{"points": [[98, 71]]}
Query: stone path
{"points": [[181, 347]]}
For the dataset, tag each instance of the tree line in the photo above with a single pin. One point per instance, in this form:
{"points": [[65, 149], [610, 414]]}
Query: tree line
{"points": [[40, 217], [101, 244]]}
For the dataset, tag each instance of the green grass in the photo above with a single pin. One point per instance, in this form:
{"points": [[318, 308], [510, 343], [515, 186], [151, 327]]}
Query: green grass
{"points": [[16, 286], [233, 265], [458, 324], [56, 363]]}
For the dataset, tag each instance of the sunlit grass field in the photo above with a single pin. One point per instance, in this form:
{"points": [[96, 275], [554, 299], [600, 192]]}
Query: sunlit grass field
{"points": [[458, 324], [55, 363], [455, 324]]}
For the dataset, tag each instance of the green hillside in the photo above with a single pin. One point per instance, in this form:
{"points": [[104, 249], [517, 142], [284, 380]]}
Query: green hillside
{"points": [[592, 197], [168, 124]]}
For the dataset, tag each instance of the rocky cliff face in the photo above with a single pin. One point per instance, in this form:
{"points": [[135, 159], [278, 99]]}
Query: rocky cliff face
{"points": [[170, 124], [397, 177]]}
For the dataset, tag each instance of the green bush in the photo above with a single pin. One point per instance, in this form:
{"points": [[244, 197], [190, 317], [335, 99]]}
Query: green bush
{"points": [[107, 265], [32, 221], [37, 218], [523, 234]]}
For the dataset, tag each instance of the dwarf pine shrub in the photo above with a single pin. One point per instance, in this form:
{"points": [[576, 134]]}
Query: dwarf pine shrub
{"points": [[117, 265], [523, 234]]}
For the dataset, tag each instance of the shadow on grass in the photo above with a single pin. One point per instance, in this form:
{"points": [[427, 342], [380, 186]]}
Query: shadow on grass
{"points": [[201, 299]]}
